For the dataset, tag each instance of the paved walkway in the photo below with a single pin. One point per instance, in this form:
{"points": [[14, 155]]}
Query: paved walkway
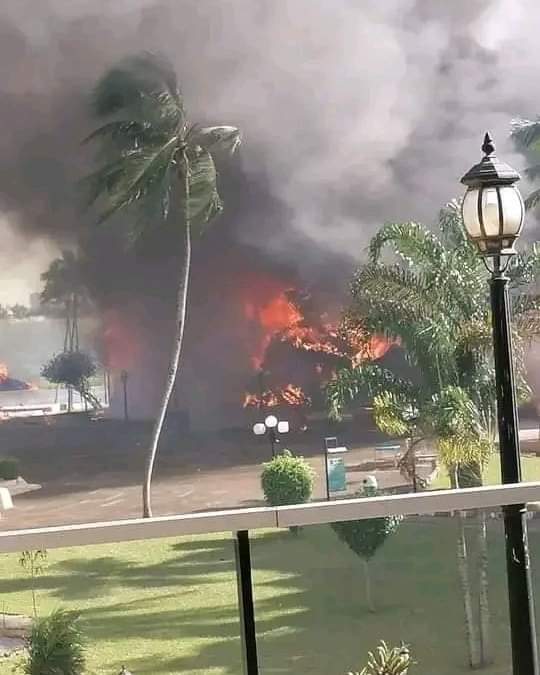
{"points": [[93, 473]]}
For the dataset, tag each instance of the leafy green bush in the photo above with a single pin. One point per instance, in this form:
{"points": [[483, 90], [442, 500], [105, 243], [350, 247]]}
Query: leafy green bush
{"points": [[287, 480], [386, 661], [9, 468], [55, 646]]}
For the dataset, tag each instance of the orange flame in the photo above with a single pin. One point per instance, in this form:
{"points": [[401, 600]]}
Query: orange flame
{"points": [[289, 395], [4, 372], [281, 319], [273, 317]]}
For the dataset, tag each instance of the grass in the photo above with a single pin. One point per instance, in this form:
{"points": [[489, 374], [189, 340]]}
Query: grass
{"points": [[530, 466], [168, 607]]}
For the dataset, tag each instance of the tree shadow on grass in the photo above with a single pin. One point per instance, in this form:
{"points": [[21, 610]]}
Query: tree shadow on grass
{"points": [[83, 577], [310, 607]]}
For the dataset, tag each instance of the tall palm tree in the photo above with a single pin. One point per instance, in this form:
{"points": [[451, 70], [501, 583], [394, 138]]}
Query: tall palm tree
{"points": [[154, 159], [64, 285], [432, 298]]}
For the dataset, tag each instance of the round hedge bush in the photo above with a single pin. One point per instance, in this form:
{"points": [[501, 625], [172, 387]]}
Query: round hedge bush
{"points": [[9, 468], [287, 480]]}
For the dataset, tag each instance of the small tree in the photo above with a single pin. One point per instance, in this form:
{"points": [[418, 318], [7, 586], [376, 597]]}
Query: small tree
{"points": [[20, 311], [73, 369], [34, 563], [287, 480], [387, 661], [56, 646], [365, 537]]}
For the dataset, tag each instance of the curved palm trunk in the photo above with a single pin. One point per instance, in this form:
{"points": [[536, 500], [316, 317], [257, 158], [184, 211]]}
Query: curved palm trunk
{"points": [[181, 305], [485, 616]]}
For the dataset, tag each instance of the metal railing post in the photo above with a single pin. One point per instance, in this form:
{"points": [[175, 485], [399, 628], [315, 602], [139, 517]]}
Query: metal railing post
{"points": [[245, 603]]}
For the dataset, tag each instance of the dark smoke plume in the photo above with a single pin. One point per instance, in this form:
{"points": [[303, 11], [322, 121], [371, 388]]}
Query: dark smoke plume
{"points": [[353, 113]]}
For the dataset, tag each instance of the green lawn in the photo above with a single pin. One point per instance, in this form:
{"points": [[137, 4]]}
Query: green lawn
{"points": [[530, 466], [164, 607]]}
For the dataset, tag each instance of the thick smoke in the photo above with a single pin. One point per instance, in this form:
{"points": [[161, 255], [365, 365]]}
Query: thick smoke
{"points": [[353, 113]]}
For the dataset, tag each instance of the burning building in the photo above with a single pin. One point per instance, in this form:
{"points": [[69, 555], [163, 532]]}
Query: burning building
{"points": [[301, 344]]}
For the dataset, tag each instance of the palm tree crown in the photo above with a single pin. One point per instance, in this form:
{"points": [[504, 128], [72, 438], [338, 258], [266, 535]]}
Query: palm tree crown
{"points": [[431, 298], [146, 144]]}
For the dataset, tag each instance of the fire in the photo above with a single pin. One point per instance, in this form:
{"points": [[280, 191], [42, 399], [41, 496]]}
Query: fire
{"points": [[290, 395], [289, 318], [276, 315], [8, 383]]}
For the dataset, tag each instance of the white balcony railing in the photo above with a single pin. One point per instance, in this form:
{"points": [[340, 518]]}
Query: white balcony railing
{"points": [[235, 520]]}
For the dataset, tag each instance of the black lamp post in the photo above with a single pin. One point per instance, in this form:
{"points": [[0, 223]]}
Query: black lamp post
{"points": [[124, 378], [493, 215]]}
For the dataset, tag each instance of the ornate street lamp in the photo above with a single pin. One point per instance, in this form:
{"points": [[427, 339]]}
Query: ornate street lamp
{"points": [[493, 215], [271, 427]]}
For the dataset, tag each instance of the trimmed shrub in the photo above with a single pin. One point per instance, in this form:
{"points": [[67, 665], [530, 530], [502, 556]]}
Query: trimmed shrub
{"points": [[56, 646], [9, 468], [70, 368], [287, 480], [365, 537]]}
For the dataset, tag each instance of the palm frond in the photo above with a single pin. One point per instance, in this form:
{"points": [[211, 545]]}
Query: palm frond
{"points": [[464, 451], [124, 86], [532, 172], [394, 413], [524, 268], [525, 133], [132, 177], [393, 285], [532, 200], [366, 379], [418, 247], [204, 200], [386, 661]]}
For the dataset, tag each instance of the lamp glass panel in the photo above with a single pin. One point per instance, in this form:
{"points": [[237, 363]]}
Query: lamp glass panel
{"points": [[490, 211], [513, 209], [469, 211]]}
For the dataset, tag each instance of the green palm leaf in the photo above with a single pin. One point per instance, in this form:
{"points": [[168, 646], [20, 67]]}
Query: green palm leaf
{"points": [[532, 200], [368, 379], [526, 136], [525, 133], [417, 246]]}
